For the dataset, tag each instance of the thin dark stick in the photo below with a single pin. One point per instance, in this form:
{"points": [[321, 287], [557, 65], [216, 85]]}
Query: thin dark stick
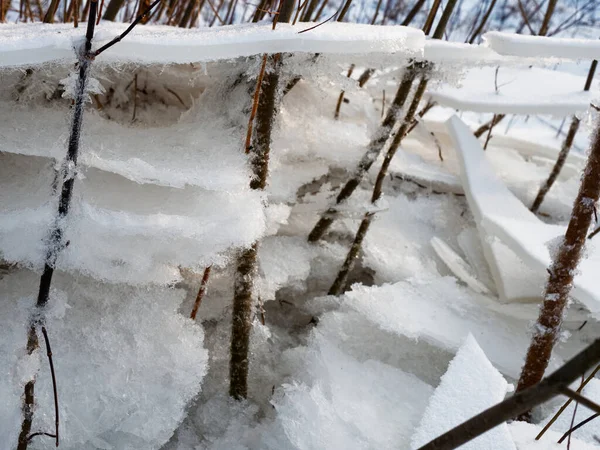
{"points": [[40, 433], [573, 419], [577, 427], [519, 403], [574, 395], [54, 389], [127, 31], [566, 404], [201, 292]]}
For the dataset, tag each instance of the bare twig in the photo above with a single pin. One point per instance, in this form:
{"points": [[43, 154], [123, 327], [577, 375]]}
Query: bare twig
{"points": [[120, 37], [259, 81], [571, 430], [54, 389]]}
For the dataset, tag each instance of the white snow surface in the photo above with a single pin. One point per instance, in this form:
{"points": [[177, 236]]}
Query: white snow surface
{"points": [[23, 44], [470, 385]]}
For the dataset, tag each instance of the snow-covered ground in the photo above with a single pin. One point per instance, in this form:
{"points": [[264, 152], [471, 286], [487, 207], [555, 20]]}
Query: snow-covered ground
{"points": [[436, 322]]}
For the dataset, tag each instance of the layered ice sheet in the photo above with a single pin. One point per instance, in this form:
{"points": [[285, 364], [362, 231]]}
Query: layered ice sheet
{"points": [[201, 150]]}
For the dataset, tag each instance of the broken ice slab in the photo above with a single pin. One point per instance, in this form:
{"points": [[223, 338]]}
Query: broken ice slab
{"points": [[470, 386], [516, 244]]}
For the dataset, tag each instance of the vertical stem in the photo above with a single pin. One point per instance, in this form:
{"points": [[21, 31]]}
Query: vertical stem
{"points": [[55, 241], [241, 321], [547, 17]]}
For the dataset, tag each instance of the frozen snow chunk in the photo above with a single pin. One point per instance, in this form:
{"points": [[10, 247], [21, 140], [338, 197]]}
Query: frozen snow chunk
{"points": [[284, 261], [341, 402], [207, 148], [517, 245], [120, 230], [458, 266], [487, 196], [411, 223], [524, 437], [470, 385], [443, 314], [127, 363]]}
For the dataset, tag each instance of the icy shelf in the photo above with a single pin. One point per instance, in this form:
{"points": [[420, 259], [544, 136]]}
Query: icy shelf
{"points": [[120, 230], [38, 43], [542, 46], [487, 195], [203, 147], [520, 91]]}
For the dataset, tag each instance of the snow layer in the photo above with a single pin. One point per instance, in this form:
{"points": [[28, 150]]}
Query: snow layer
{"points": [[203, 142], [470, 386], [126, 362], [38, 43], [519, 91], [542, 46], [339, 401]]}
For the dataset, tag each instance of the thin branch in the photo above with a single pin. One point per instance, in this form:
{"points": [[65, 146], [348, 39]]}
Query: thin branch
{"points": [[255, 99], [574, 395], [54, 389], [120, 37], [201, 292], [577, 427]]}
